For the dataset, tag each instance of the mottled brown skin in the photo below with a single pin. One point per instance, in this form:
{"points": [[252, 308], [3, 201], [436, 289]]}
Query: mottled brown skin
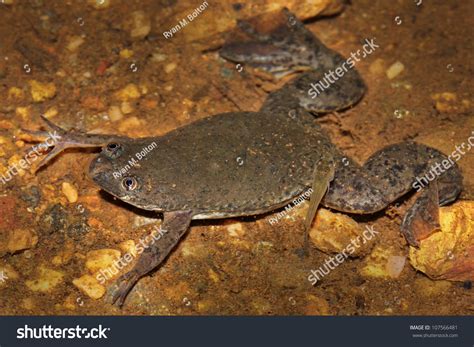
{"points": [[247, 163]]}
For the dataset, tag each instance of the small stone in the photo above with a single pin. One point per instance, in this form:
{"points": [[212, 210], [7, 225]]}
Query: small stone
{"points": [[128, 247], [139, 25], [170, 67], [335, 232], [394, 70], [129, 92], [236, 230], [395, 265], [213, 276], [70, 192], [126, 53], [7, 273], [15, 93], [74, 43], [89, 286], [126, 107], [42, 91], [316, 306], [376, 264], [20, 239], [132, 122], [23, 112], [115, 113], [377, 67], [46, 280], [99, 4], [101, 259]]}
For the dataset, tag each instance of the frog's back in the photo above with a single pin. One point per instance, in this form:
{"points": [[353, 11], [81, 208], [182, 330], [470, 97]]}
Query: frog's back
{"points": [[233, 164]]}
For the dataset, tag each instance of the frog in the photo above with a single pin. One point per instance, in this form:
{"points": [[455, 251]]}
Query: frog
{"points": [[239, 164]]}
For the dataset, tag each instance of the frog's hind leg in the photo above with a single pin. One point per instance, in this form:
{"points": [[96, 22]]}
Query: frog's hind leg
{"points": [[391, 173], [175, 224]]}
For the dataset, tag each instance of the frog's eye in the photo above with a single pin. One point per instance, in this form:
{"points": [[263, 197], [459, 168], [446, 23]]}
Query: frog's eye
{"points": [[130, 183], [113, 150]]}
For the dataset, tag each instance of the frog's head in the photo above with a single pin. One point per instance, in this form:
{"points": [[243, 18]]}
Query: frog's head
{"points": [[121, 171]]}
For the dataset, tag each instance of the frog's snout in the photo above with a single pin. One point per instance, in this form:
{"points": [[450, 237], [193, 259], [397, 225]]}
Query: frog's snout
{"points": [[100, 169]]}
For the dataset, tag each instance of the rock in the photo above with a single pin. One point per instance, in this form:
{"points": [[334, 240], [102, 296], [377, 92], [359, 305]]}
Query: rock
{"points": [[170, 67], [394, 70], [99, 4], [448, 254], [236, 230], [395, 265], [115, 113], [139, 25], [334, 232], [42, 91], [126, 107], [15, 93], [377, 67], [101, 259], [128, 247], [89, 286], [46, 280], [70, 192], [316, 306], [131, 122], [382, 263], [19, 240], [127, 93], [429, 288], [7, 274], [65, 255], [74, 43], [448, 102]]}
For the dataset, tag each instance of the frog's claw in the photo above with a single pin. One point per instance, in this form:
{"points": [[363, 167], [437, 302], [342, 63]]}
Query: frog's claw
{"points": [[60, 139], [163, 241]]}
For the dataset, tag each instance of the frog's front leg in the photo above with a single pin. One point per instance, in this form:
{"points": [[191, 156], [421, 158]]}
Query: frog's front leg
{"points": [[60, 139], [174, 227]]}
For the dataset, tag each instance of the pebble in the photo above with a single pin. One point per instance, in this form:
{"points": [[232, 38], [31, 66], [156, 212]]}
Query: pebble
{"points": [[128, 247], [395, 265], [101, 259], [46, 280], [236, 230], [115, 113], [100, 4], [129, 92], [126, 107], [74, 43], [140, 25], [376, 264], [18, 240], [89, 286], [126, 124], [70, 192], [333, 232], [170, 67], [394, 70], [15, 93], [42, 91], [377, 67], [316, 306], [8, 273]]}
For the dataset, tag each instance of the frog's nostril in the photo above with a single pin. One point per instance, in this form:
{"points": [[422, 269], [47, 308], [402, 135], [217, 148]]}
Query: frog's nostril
{"points": [[113, 150]]}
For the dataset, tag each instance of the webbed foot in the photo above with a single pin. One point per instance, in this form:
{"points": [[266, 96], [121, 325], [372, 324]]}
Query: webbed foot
{"points": [[157, 249], [60, 139]]}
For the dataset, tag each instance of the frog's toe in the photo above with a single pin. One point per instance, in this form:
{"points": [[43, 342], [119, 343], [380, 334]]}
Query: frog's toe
{"points": [[124, 285]]}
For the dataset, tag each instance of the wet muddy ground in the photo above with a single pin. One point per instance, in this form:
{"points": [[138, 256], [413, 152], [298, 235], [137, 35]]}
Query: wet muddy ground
{"points": [[105, 66]]}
